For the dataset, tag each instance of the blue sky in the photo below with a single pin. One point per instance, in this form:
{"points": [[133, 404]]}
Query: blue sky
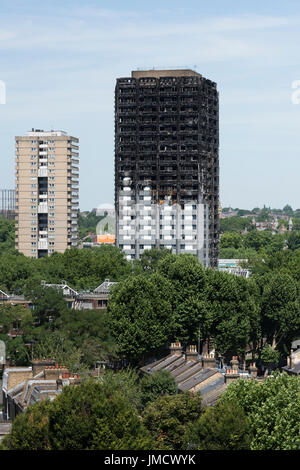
{"points": [[60, 59]]}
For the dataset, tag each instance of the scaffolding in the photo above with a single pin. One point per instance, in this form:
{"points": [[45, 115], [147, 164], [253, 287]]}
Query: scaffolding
{"points": [[8, 203]]}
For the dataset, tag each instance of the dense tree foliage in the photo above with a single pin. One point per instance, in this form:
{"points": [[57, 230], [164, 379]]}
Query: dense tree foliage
{"points": [[141, 317], [168, 417], [7, 236], [245, 246], [235, 224], [221, 427], [87, 223], [157, 384], [88, 416], [81, 268], [272, 408]]}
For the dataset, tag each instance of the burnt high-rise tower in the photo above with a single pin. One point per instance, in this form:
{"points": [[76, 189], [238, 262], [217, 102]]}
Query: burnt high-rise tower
{"points": [[167, 163]]}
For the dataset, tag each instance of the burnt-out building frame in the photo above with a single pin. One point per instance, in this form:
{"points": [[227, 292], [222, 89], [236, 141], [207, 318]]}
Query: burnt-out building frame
{"points": [[167, 152]]}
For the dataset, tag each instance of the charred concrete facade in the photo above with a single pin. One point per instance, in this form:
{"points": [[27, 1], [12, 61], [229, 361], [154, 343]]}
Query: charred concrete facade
{"points": [[167, 163]]}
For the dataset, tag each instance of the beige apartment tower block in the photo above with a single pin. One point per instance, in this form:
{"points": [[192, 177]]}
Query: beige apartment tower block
{"points": [[47, 192]]}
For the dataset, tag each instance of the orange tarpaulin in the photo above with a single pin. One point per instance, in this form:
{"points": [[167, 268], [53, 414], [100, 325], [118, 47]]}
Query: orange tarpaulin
{"points": [[104, 239]]}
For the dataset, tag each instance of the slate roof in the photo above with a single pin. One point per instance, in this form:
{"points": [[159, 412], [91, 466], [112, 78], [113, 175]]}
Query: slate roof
{"points": [[294, 370], [189, 373], [213, 395], [190, 370], [296, 344], [160, 364], [197, 379], [104, 287]]}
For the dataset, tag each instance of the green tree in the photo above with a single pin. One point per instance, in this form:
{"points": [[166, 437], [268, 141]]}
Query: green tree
{"points": [[17, 352], [272, 408], [263, 215], [234, 313], [48, 302], [269, 356], [30, 430], [168, 417], [157, 384], [280, 310], [150, 258], [83, 417], [231, 240], [221, 427], [287, 210], [59, 347], [15, 270], [7, 236], [235, 224], [188, 278], [90, 332], [87, 223], [293, 240], [17, 317], [141, 315], [127, 382]]}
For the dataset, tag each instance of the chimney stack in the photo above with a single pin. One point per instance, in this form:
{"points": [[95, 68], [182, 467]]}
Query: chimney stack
{"points": [[232, 374], [176, 349], [253, 370], [208, 361], [39, 365], [235, 364], [191, 353]]}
